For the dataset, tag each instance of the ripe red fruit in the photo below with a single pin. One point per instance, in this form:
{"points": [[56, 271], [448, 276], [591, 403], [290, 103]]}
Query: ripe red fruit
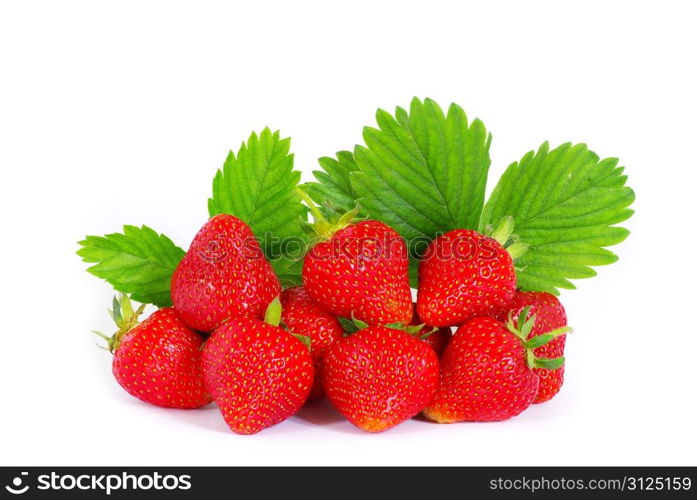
{"points": [[223, 275], [379, 377], [159, 360], [361, 271], [549, 315], [487, 371], [437, 339], [464, 274], [302, 315], [257, 373]]}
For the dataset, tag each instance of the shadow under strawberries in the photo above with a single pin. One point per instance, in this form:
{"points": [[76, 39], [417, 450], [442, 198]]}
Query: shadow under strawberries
{"points": [[320, 413]]}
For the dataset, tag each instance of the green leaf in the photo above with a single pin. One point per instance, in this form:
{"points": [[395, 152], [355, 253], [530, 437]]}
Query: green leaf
{"points": [[289, 270], [258, 186], [138, 262], [423, 172], [565, 203], [333, 182], [414, 273]]}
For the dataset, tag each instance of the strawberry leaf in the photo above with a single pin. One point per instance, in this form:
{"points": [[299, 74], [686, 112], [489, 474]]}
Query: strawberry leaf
{"points": [[334, 182], [138, 262], [414, 273], [423, 172], [565, 204], [258, 186], [289, 269]]}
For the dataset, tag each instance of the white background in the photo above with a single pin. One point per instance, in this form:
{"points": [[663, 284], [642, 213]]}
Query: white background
{"points": [[120, 112]]}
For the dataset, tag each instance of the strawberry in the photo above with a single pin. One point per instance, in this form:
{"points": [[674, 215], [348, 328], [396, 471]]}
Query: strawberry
{"points": [[223, 275], [487, 371], [159, 360], [301, 315], [549, 315], [437, 338], [257, 373], [379, 377], [464, 274], [358, 269]]}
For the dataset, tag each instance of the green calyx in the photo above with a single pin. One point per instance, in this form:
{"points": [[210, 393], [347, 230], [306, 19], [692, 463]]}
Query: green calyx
{"points": [[354, 324], [305, 339], [414, 330], [125, 317], [522, 326], [327, 221], [272, 317], [273, 312], [425, 335], [503, 233], [351, 325]]}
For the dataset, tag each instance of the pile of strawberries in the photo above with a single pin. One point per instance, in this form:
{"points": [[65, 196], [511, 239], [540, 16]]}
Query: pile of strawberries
{"points": [[352, 332]]}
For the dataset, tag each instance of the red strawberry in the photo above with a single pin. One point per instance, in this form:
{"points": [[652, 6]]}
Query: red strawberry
{"points": [[223, 275], [464, 274], [257, 373], [158, 360], [437, 339], [484, 375], [361, 271], [379, 377], [301, 315], [549, 315], [487, 371]]}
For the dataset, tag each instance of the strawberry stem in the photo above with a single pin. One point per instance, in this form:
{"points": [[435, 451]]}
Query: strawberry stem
{"points": [[504, 230], [323, 227], [316, 213], [517, 250], [504, 235]]}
